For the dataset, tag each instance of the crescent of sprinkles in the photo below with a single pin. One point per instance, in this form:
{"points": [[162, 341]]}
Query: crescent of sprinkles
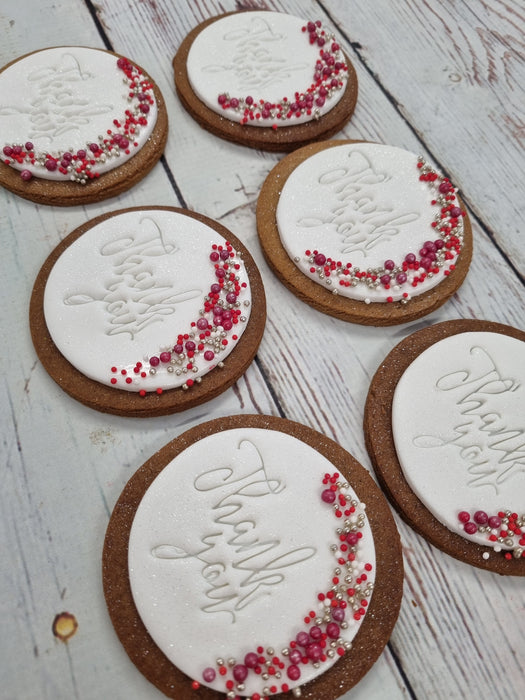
{"points": [[322, 636], [329, 76], [503, 530], [80, 166], [434, 256], [209, 334]]}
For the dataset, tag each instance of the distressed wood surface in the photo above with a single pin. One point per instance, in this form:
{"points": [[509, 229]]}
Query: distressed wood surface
{"points": [[444, 79]]}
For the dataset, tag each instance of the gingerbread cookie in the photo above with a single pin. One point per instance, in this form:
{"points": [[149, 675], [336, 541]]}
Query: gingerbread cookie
{"points": [[77, 125], [266, 80], [367, 233], [444, 427], [252, 556], [147, 311]]}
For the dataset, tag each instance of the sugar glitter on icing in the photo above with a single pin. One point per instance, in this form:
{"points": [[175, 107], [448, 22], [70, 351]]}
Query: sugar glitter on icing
{"points": [[252, 66], [364, 208], [460, 438], [125, 290], [230, 547], [68, 99]]}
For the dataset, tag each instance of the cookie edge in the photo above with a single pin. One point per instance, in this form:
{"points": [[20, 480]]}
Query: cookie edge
{"points": [[379, 441], [110, 184], [319, 297], [381, 615], [130, 404], [282, 139]]}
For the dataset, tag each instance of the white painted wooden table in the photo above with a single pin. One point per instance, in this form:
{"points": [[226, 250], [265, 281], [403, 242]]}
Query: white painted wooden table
{"points": [[445, 79]]}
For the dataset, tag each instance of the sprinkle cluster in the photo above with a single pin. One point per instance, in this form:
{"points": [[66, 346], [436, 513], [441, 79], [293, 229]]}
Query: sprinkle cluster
{"points": [[503, 531], [209, 334], [80, 165], [329, 76], [321, 637], [435, 255]]}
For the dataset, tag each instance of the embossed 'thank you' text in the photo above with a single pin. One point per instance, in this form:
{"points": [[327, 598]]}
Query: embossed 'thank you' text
{"points": [[490, 442], [57, 103], [134, 298], [358, 210], [260, 58], [238, 563]]}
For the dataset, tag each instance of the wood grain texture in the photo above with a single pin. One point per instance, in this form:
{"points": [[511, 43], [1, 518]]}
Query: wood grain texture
{"points": [[444, 80]]}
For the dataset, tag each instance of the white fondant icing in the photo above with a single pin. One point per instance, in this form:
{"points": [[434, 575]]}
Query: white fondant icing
{"points": [[230, 547], [459, 427], [362, 204], [264, 55], [63, 99], [125, 290]]}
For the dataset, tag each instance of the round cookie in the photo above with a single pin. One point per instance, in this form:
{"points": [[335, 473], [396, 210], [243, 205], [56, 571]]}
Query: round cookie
{"points": [[276, 83], [249, 540], [147, 311], [367, 233], [444, 430], [78, 125]]}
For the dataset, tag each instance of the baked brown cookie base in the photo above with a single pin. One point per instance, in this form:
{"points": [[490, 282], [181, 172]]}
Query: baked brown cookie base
{"points": [[380, 445], [282, 139], [66, 193], [378, 622], [374, 314], [125, 403]]}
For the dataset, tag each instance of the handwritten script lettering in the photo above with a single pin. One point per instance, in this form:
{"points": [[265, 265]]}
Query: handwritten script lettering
{"points": [[255, 62], [57, 106], [488, 441], [238, 563], [358, 215], [134, 298]]}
